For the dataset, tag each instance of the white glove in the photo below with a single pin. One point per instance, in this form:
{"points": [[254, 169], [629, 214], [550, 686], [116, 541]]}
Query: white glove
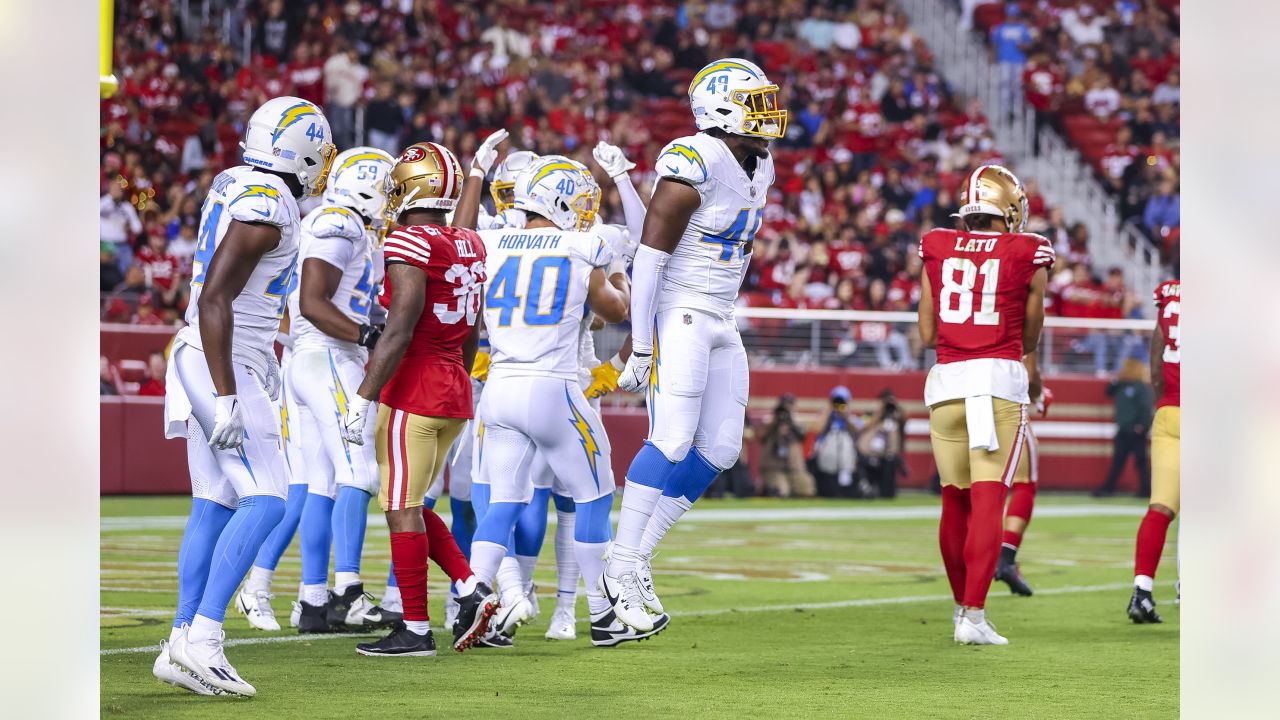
{"points": [[610, 158], [487, 153], [228, 423], [353, 423], [635, 374]]}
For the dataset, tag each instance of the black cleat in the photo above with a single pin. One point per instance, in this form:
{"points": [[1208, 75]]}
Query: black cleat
{"points": [[314, 619], [492, 640], [1011, 575], [1142, 608], [608, 631], [354, 609], [474, 612], [402, 642]]}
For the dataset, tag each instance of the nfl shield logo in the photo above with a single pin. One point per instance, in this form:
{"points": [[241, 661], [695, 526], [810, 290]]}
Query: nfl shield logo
{"points": [[688, 319]]}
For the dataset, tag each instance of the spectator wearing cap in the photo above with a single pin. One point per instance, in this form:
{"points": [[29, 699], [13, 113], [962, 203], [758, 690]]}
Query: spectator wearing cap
{"points": [[782, 453], [835, 455], [1010, 40]]}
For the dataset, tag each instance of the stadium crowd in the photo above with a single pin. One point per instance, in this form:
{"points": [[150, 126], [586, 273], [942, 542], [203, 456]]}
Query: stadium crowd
{"points": [[876, 148]]}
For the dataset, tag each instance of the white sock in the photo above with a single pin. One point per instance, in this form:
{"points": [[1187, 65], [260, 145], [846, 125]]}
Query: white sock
{"points": [[976, 616], [1144, 582], [344, 580], [638, 502], [300, 592], [509, 581], [667, 512], [485, 558], [315, 594], [591, 560], [527, 563], [567, 568], [203, 629], [390, 595], [174, 634], [418, 627], [259, 580], [463, 588]]}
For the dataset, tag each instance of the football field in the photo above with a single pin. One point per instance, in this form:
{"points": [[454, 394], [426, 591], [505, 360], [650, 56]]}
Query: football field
{"points": [[779, 609]]}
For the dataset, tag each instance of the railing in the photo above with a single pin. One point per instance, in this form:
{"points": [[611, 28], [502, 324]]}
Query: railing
{"points": [[890, 341], [1066, 180]]}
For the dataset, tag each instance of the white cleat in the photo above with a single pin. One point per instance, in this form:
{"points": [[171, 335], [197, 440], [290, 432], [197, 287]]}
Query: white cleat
{"points": [[955, 616], [969, 632], [207, 664], [450, 610], [623, 594], [512, 613], [644, 572], [395, 604], [295, 615], [256, 607], [564, 626], [164, 671]]}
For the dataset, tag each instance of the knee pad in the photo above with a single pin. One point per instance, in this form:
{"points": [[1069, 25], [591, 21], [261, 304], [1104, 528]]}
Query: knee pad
{"points": [[723, 456], [673, 450]]}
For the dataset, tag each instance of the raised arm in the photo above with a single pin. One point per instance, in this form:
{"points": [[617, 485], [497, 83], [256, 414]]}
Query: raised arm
{"points": [[467, 213]]}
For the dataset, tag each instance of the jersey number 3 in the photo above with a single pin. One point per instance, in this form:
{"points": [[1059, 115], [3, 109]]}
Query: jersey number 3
{"points": [[959, 276]]}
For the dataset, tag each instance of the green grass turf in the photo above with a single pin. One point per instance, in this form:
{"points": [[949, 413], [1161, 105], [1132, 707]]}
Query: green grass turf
{"points": [[872, 637]]}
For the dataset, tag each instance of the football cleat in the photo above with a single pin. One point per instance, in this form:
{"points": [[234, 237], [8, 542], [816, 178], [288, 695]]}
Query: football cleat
{"points": [[1142, 608], [968, 632], [392, 604], [314, 619], [512, 613], [164, 671], [474, 613], [353, 608], [623, 594], [1011, 575], [492, 640], [955, 616], [608, 631], [450, 610], [564, 626], [295, 614], [205, 663], [644, 572], [256, 607], [403, 642]]}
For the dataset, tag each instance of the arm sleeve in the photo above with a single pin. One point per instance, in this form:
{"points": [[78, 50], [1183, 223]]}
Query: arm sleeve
{"points": [[646, 280], [633, 209]]}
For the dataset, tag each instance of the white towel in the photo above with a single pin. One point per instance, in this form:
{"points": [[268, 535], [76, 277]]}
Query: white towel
{"points": [[980, 417], [177, 406]]}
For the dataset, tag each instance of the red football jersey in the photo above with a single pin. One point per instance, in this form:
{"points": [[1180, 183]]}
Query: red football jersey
{"points": [[1168, 313], [980, 282], [432, 380]]}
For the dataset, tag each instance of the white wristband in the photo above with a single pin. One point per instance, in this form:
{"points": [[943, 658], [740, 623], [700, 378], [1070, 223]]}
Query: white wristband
{"points": [[477, 172], [616, 362]]}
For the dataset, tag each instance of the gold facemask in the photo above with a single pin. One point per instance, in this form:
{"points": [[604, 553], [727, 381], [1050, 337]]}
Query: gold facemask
{"points": [[763, 118]]}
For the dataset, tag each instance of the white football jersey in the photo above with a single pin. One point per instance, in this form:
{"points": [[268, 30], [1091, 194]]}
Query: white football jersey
{"points": [[705, 271], [248, 195], [337, 236], [536, 296]]}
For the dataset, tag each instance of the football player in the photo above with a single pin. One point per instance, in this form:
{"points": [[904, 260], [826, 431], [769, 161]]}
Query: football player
{"points": [[1022, 494], [1166, 374], [419, 373], [222, 386], [685, 347], [982, 307], [541, 279], [332, 336]]}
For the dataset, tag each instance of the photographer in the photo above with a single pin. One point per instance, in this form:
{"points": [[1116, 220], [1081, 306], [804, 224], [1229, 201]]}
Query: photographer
{"points": [[880, 445], [782, 455], [835, 457]]}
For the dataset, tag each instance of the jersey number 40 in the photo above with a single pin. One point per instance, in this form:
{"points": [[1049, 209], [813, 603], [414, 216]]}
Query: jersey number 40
{"points": [[959, 277], [504, 295]]}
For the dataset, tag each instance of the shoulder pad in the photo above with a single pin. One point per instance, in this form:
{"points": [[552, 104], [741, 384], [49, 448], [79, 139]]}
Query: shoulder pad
{"points": [[254, 197], [335, 221], [407, 247], [683, 159], [1043, 255]]}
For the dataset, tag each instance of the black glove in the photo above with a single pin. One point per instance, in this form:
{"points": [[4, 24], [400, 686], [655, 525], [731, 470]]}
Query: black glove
{"points": [[369, 335]]}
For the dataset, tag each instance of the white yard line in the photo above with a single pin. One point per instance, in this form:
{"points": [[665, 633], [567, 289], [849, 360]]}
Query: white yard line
{"points": [[920, 512], [860, 602]]}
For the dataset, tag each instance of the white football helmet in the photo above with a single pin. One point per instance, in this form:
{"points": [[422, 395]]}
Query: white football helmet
{"points": [[359, 182], [290, 135], [560, 190], [734, 95], [504, 178]]}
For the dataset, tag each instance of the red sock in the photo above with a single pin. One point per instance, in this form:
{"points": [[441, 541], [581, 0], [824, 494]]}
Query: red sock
{"points": [[1022, 498], [952, 530], [982, 546], [409, 557], [444, 549], [1150, 543]]}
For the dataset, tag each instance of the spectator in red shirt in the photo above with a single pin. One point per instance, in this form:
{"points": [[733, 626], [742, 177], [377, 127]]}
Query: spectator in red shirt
{"points": [[153, 385], [163, 271]]}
